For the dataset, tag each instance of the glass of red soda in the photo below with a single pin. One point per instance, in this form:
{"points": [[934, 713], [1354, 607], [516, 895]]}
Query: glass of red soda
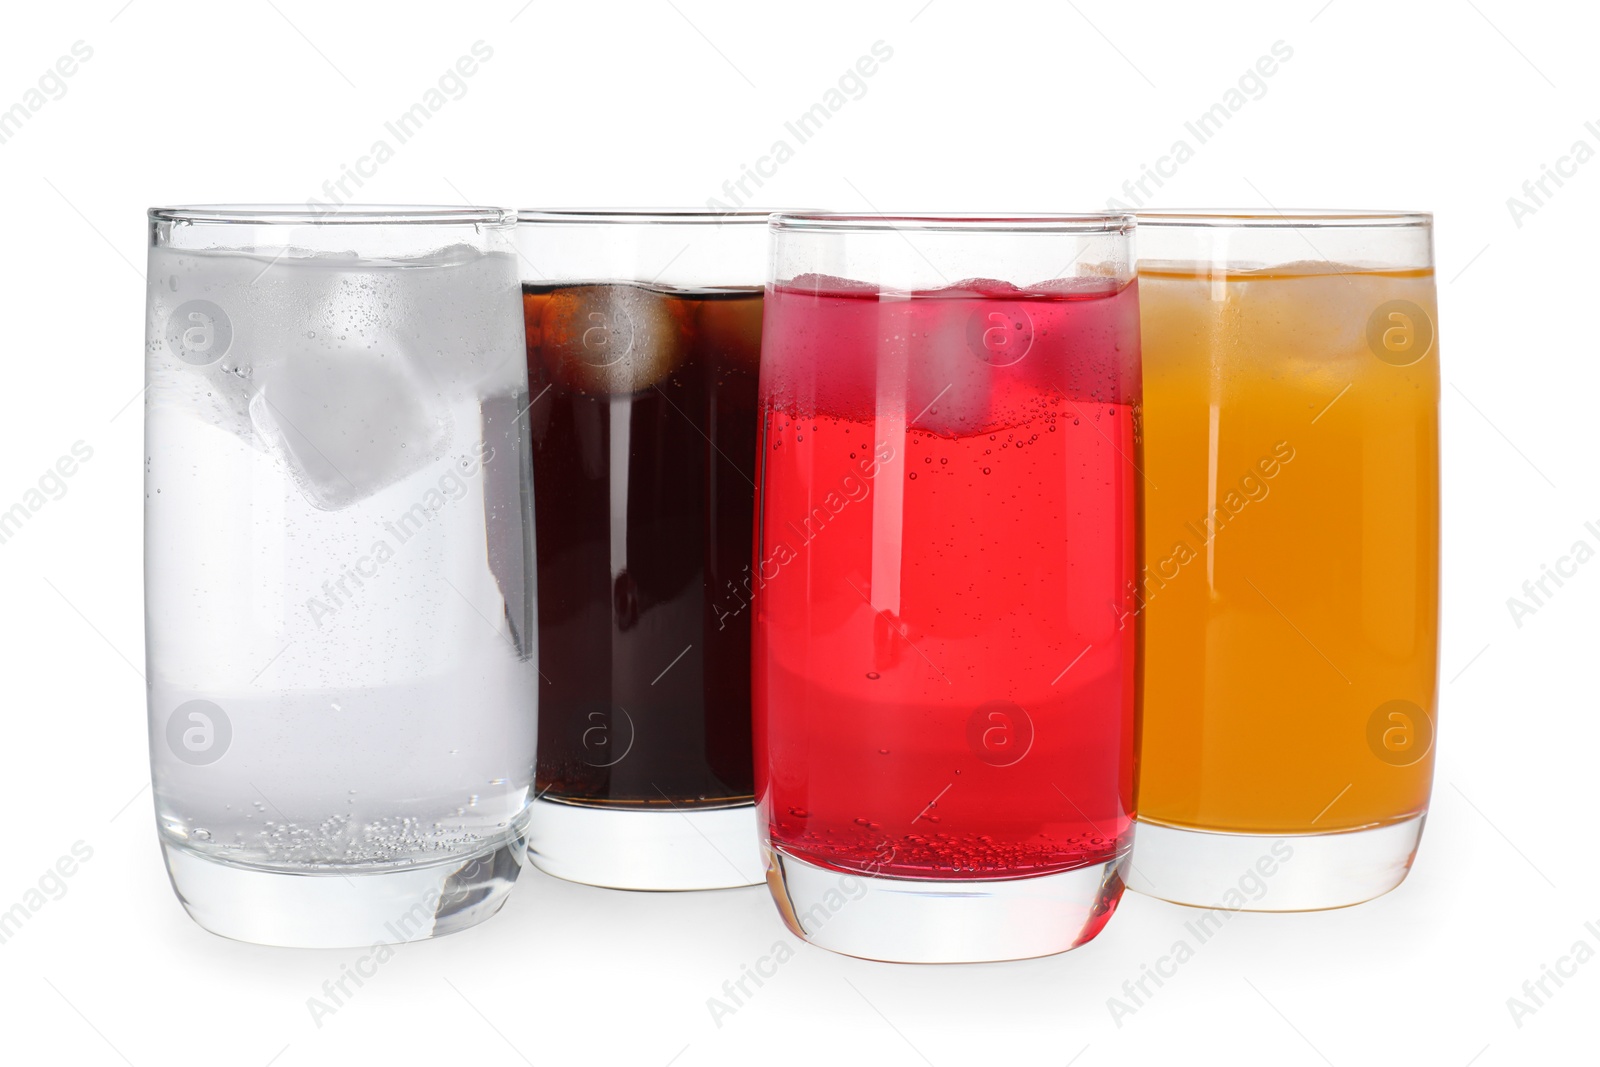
{"points": [[945, 646]]}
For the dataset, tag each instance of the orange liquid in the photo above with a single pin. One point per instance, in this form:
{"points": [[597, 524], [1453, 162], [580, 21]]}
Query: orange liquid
{"points": [[1291, 537]]}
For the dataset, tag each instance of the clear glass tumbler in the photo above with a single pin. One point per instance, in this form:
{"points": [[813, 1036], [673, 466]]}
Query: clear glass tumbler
{"points": [[338, 569], [945, 691], [644, 333], [1291, 583]]}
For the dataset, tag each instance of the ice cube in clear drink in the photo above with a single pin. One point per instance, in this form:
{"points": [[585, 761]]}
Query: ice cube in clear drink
{"points": [[347, 424], [467, 337]]}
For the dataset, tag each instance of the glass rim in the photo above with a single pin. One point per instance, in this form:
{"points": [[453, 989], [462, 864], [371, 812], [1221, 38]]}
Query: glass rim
{"points": [[1092, 222], [343, 215], [657, 215], [1285, 218]]}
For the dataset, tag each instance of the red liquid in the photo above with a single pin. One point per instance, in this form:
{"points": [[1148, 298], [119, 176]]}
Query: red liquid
{"points": [[944, 655]]}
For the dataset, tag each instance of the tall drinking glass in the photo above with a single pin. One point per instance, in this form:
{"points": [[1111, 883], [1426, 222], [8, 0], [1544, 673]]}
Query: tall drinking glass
{"points": [[1291, 583], [644, 334], [338, 569], [947, 537]]}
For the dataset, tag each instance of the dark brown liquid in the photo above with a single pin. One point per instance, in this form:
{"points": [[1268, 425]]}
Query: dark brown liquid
{"points": [[644, 446]]}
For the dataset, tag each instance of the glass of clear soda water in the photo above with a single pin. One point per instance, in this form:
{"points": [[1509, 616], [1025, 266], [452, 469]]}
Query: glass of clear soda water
{"points": [[339, 580]]}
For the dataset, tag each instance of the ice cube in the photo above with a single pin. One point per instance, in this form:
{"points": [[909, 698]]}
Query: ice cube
{"points": [[731, 329], [611, 340], [975, 287], [828, 284], [347, 424], [204, 294], [960, 342], [460, 311]]}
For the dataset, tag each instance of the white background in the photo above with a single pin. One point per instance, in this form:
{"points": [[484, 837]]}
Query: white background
{"points": [[1445, 106]]}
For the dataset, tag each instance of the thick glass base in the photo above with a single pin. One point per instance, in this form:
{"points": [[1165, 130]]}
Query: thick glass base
{"points": [[904, 920], [349, 909], [629, 848], [1271, 872]]}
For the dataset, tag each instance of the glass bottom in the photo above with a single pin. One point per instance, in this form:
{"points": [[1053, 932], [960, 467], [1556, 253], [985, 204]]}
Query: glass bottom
{"points": [[1271, 872], [349, 909], [903, 920], [675, 849]]}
